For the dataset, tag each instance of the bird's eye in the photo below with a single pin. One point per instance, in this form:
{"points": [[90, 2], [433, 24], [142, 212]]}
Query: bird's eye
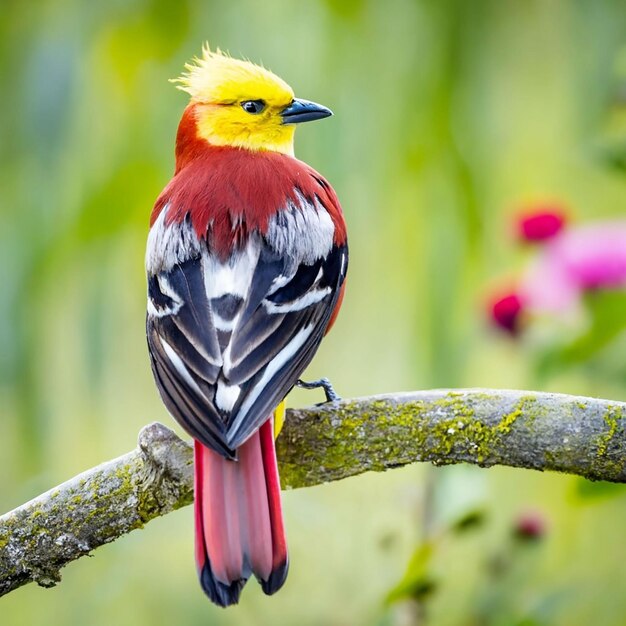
{"points": [[253, 106]]}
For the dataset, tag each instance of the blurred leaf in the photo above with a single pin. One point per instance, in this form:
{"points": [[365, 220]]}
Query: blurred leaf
{"points": [[611, 145], [614, 155], [471, 520], [387, 540], [416, 583], [607, 313], [587, 490]]}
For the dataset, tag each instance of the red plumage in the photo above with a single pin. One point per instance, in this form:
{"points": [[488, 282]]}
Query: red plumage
{"points": [[238, 517], [229, 192]]}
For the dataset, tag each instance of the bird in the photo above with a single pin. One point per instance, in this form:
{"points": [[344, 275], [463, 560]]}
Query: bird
{"points": [[246, 262], [569, 262]]}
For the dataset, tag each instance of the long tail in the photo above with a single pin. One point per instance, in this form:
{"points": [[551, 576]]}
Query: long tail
{"points": [[238, 517]]}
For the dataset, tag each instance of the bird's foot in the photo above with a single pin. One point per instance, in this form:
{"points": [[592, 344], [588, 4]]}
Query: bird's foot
{"points": [[331, 395]]}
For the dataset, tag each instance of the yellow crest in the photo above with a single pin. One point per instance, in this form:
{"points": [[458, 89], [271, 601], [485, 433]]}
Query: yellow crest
{"points": [[217, 78]]}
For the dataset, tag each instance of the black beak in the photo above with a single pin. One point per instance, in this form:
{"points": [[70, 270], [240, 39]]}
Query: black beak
{"points": [[304, 111]]}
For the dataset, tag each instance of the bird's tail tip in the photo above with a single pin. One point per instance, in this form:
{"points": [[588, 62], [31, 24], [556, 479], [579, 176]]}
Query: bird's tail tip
{"points": [[276, 579], [227, 595], [219, 593]]}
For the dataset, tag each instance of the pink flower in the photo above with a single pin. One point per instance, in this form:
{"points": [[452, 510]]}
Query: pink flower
{"points": [[568, 264], [595, 255], [543, 223]]}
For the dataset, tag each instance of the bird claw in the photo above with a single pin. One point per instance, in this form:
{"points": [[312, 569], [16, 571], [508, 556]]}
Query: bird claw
{"points": [[331, 395]]}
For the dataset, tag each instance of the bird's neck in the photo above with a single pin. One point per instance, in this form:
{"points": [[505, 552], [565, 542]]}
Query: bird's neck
{"points": [[192, 144]]}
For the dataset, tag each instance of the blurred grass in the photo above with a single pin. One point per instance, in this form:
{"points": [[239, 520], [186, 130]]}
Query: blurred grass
{"points": [[448, 116]]}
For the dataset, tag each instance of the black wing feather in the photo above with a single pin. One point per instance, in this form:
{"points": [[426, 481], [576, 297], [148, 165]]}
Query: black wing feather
{"points": [[192, 411], [187, 280]]}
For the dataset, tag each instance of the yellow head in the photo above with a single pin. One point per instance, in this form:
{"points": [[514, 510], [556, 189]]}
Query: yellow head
{"points": [[244, 105]]}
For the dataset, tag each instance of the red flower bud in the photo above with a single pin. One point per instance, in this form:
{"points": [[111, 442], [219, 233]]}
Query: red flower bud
{"points": [[505, 312], [530, 526], [542, 224]]}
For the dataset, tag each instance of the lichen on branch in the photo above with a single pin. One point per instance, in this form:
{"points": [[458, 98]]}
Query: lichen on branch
{"points": [[577, 435], [543, 431]]}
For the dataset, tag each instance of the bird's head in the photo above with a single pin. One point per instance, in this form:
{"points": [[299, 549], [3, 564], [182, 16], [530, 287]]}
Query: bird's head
{"points": [[237, 103]]}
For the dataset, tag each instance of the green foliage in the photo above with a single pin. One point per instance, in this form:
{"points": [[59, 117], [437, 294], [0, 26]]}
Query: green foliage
{"points": [[418, 582], [471, 520], [590, 492], [499, 581], [606, 311]]}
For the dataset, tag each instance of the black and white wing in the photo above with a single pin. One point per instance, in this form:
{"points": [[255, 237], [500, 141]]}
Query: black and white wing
{"points": [[228, 338]]}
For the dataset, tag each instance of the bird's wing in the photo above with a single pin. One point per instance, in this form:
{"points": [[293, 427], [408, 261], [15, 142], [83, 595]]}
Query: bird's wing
{"points": [[229, 338]]}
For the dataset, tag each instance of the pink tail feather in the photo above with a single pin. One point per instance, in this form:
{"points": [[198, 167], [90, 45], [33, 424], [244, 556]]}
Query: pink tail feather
{"points": [[238, 518]]}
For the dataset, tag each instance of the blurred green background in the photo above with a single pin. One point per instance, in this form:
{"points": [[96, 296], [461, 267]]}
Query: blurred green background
{"points": [[450, 115]]}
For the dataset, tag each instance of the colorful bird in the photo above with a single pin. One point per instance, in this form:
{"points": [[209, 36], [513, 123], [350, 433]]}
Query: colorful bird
{"points": [[570, 262], [246, 261]]}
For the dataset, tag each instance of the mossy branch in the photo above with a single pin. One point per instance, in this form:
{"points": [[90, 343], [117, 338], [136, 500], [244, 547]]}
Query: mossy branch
{"points": [[582, 436]]}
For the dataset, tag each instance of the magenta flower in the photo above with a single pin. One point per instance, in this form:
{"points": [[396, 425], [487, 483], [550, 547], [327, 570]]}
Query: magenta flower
{"points": [[505, 312], [569, 263], [543, 223]]}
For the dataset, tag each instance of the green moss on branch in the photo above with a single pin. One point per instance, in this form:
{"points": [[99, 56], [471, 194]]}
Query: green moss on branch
{"points": [[581, 436]]}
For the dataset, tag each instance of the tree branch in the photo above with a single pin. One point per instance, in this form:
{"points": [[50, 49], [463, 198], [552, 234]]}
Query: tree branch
{"points": [[577, 435]]}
